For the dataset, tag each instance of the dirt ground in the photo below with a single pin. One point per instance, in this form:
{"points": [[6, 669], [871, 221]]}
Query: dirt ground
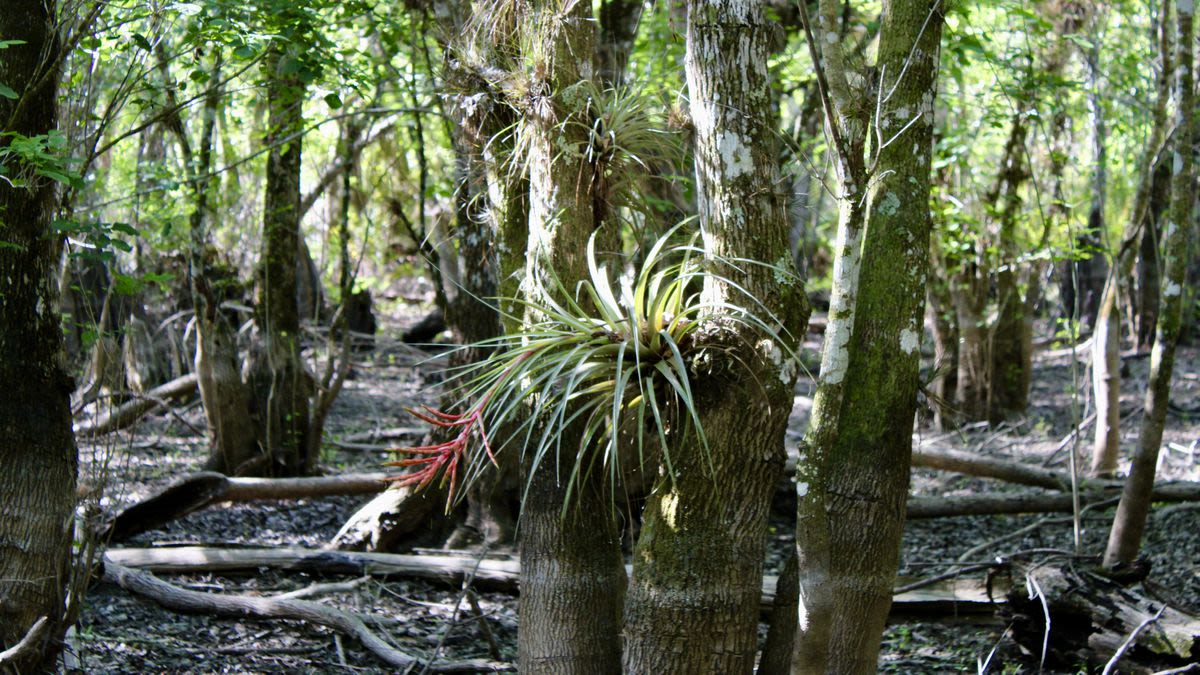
{"points": [[119, 633]]}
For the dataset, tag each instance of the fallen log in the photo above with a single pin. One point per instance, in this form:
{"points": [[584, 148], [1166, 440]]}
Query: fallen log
{"points": [[1094, 620], [199, 490], [962, 595], [389, 517], [388, 434], [989, 467], [1001, 503], [131, 411], [183, 600]]}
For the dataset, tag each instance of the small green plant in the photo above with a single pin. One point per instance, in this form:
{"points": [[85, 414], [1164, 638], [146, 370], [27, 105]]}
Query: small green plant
{"points": [[611, 359]]}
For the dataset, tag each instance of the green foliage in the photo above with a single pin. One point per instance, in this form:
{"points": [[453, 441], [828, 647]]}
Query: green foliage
{"points": [[23, 159]]}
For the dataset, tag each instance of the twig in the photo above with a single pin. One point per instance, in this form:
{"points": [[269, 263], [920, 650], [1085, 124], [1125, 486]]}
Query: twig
{"points": [[341, 653], [33, 637], [942, 577], [493, 647], [322, 589], [466, 588], [1112, 663]]}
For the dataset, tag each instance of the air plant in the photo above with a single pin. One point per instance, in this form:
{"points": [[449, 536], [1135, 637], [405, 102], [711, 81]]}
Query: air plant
{"points": [[615, 356]]}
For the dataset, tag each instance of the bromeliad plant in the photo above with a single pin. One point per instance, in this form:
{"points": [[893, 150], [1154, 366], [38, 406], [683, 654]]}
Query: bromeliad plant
{"points": [[614, 357]]}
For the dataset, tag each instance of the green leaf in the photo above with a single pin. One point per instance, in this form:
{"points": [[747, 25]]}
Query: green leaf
{"points": [[5, 44], [8, 92], [333, 101], [141, 41]]}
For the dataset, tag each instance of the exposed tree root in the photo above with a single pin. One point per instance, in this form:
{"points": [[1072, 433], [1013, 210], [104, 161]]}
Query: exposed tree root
{"points": [[183, 600], [33, 640]]}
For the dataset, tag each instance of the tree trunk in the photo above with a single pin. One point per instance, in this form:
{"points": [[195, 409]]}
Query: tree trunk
{"points": [[619, 21], [693, 603], [1011, 351], [1106, 366], [278, 375], [968, 293], [1149, 266], [38, 457], [1086, 275], [939, 317], [867, 457], [1125, 540], [815, 611], [572, 576], [1106, 382]]}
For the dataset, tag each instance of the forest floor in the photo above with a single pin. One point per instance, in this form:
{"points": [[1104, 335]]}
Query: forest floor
{"points": [[120, 633]]}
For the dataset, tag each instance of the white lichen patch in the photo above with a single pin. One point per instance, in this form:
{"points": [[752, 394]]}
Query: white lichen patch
{"points": [[670, 509], [785, 365], [1172, 289], [909, 341], [890, 204], [735, 155], [801, 489]]}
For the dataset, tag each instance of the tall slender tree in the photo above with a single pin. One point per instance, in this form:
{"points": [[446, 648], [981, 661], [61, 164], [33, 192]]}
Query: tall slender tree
{"points": [[38, 457], [1129, 525], [1106, 343], [852, 480], [282, 382]]}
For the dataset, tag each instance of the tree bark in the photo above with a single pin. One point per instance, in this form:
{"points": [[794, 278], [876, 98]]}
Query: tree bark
{"points": [[1010, 352], [868, 456], [1125, 539], [692, 605], [278, 375], [38, 457], [1149, 265], [846, 124], [572, 576]]}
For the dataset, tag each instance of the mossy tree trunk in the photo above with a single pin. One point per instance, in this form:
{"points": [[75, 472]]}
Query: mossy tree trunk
{"points": [[281, 383], [693, 600], [847, 124], [866, 458], [853, 473], [572, 572], [38, 457], [1129, 525]]}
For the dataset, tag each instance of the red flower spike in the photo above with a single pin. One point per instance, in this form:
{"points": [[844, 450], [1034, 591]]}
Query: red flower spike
{"points": [[443, 459]]}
